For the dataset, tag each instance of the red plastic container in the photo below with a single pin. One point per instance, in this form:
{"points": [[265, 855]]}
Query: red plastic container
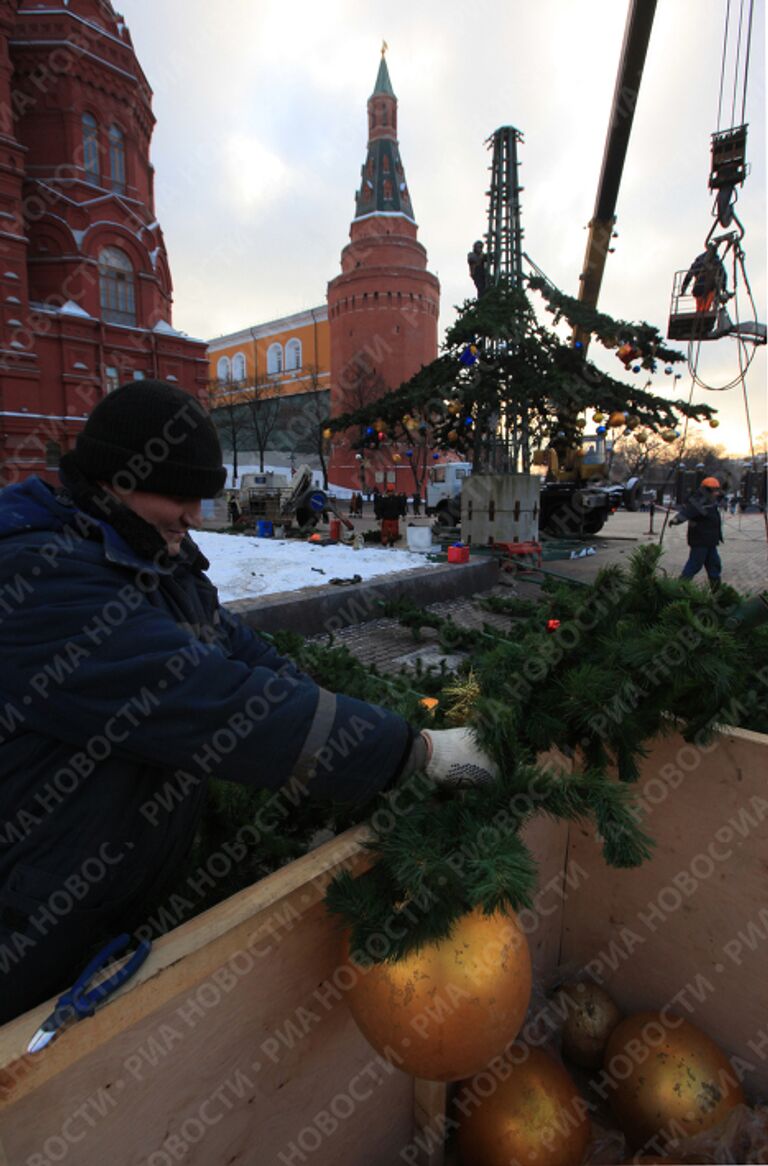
{"points": [[334, 529], [458, 554]]}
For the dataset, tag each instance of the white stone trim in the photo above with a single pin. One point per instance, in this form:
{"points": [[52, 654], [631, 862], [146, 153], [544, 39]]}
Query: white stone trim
{"points": [[260, 331]]}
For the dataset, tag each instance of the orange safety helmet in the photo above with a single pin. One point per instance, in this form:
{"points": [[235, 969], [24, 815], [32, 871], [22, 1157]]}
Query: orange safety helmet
{"points": [[710, 483]]}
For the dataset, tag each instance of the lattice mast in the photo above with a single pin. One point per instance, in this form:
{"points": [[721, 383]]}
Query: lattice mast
{"points": [[504, 240], [508, 445]]}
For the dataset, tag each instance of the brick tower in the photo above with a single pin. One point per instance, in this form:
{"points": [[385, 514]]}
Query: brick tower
{"points": [[383, 308], [85, 286]]}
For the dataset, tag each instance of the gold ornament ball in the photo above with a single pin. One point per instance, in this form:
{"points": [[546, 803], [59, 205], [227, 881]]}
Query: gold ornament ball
{"points": [[396, 457], [327, 434], [445, 1011], [591, 1018], [665, 1070], [616, 419], [535, 1116], [641, 436], [714, 423], [597, 417], [668, 435]]}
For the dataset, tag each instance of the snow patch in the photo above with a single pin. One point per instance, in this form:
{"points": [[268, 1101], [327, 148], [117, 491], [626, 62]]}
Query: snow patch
{"points": [[243, 567]]}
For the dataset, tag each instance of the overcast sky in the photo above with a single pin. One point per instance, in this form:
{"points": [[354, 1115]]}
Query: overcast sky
{"points": [[261, 133]]}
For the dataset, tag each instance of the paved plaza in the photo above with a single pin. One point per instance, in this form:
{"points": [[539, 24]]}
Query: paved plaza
{"points": [[744, 552]]}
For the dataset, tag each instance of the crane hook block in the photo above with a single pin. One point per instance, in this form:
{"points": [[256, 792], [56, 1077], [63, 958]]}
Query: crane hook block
{"points": [[729, 152]]}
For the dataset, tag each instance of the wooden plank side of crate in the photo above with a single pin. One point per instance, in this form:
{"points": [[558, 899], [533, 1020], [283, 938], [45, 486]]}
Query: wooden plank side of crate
{"points": [[235, 1045], [690, 927], [183, 957]]}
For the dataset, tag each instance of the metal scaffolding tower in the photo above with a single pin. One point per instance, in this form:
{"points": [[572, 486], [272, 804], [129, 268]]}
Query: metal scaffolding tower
{"points": [[504, 240]]}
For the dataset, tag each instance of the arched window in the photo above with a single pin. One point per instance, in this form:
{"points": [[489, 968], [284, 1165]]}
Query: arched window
{"points": [[292, 355], [117, 159], [274, 358], [238, 367], [116, 282], [224, 370], [90, 147]]}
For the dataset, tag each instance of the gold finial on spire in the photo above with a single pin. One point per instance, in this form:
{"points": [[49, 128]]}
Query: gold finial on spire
{"points": [[384, 47]]}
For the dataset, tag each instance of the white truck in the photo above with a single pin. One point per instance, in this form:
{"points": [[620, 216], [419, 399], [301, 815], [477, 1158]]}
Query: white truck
{"points": [[444, 490]]}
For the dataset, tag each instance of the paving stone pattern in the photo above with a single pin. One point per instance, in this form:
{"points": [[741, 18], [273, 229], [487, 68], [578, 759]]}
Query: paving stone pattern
{"points": [[391, 647]]}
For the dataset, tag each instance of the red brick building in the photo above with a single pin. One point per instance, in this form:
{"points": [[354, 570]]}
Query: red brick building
{"points": [[85, 286], [383, 308]]}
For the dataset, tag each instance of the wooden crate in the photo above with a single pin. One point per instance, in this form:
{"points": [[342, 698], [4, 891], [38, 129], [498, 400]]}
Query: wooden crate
{"points": [[233, 1045]]}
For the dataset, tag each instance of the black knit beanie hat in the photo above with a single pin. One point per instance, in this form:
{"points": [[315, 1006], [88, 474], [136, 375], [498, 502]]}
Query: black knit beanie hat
{"points": [[151, 437]]}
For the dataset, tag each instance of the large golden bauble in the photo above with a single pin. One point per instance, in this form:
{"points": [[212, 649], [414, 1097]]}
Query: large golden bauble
{"points": [[532, 1117], [591, 1018], [444, 1012], [616, 419], [669, 1078]]}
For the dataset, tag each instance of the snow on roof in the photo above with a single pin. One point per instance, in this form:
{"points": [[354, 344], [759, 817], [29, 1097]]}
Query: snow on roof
{"points": [[165, 327], [70, 308]]}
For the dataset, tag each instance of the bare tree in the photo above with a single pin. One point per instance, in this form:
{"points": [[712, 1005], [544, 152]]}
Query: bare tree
{"points": [[261, 402], [315, 414], [228, 417]]}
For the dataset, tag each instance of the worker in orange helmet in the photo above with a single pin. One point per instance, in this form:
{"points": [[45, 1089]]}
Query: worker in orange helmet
{"points": [[389, 512], [705, 531]]}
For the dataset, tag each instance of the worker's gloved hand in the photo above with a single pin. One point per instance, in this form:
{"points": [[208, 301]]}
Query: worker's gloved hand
{"points": [[455, 759]]}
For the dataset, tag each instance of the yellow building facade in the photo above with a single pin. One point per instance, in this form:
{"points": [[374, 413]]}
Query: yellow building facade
{"points": [[288, 356]]}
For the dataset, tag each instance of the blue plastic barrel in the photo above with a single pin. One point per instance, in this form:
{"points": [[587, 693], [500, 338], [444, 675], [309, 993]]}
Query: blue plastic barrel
{"points": [[264, 528]]}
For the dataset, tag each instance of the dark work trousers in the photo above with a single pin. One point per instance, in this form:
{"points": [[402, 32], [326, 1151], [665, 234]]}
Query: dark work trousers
{"points": [[706, 557]]}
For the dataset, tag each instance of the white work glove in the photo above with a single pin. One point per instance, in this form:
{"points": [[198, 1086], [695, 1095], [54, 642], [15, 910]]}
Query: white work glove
{"points": [[455, 759]]}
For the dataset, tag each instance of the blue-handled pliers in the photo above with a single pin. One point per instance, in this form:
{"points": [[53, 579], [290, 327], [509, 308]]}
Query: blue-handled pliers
{"points": [[79, 1001]]}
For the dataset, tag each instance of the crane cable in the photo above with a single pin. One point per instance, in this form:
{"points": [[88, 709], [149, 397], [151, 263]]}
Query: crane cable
{"points": [[743, 373], [722, 66], [676, 465], [747, 52], [693, 360]]}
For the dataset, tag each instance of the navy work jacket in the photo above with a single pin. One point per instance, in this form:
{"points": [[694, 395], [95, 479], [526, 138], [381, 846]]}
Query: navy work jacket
{"points": [[124, 687], [705, 526]]}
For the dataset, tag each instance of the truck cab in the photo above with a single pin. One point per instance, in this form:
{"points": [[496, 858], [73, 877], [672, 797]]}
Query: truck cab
{"points": [[444, 490]]}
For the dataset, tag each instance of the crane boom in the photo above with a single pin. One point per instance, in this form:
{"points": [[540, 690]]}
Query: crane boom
{"points": [[633, 52]]}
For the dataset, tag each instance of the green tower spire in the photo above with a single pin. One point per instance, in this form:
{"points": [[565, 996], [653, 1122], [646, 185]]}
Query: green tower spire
{"points": [[383, 189], [383, 83]]}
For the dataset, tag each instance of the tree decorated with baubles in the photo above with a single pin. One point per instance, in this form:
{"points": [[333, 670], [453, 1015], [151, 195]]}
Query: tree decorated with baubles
{"points": [[506, 386]]}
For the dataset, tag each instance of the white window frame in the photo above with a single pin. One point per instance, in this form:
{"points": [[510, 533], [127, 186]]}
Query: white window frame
{"points": [[293, 355], [224, 370], [238, 367], [275, 362]]}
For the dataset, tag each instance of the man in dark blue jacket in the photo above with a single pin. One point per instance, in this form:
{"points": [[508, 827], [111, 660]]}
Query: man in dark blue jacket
{"points": [[705, 532], [125, 687]]}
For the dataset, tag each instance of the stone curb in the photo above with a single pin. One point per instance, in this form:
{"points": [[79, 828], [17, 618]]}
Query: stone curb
{"points": [[314, 610]]}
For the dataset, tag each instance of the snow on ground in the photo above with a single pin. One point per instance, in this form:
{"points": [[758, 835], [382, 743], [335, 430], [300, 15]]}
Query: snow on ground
{"points": [[243, 566]]}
